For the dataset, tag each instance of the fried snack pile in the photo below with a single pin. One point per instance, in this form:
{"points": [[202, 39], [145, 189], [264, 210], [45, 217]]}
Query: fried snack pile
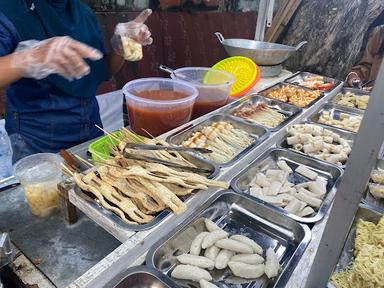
{"points": [[376, 187], [346, 121], [224, 140], [293, 95], [136, 190], [260, 114], [367, 268], [349, 99], [316, 82]]}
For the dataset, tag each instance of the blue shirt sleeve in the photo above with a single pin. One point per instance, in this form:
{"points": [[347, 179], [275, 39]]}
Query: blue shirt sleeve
{"points": [[8, 36]]}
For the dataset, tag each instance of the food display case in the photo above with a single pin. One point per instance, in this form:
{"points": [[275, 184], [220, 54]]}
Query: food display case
{"points": [[236, 211]]}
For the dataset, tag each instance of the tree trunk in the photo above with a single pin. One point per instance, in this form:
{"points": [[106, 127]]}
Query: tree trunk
{"points": [[335, 31]]}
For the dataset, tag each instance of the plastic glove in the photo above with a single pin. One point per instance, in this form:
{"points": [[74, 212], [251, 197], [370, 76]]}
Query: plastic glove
{"points": [[58, 55], [129, 37], [353, 80]]}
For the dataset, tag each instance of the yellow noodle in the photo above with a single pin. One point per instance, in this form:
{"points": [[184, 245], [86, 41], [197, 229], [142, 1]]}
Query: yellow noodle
{"points": [[366, 271]]}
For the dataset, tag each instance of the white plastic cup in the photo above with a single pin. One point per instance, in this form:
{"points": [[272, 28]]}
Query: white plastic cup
{"points": [[39, 175]]}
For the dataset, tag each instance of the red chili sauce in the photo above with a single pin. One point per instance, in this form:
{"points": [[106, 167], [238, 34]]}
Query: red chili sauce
{"points": [[158, 119]]}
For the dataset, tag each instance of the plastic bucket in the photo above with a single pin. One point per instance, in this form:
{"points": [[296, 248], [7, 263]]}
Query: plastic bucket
{"points": [[214, 87], [39, 174], [158, 105]]}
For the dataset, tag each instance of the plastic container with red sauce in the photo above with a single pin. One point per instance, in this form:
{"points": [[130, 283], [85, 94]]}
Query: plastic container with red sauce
{"points": [[158, 105], [214, 87]]}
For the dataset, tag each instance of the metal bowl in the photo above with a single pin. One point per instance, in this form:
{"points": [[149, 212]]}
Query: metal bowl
{"points": [[263, 53]]}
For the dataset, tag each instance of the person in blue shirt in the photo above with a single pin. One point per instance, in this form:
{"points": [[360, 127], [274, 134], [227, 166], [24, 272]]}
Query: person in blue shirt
{"points": [[52, 59]]}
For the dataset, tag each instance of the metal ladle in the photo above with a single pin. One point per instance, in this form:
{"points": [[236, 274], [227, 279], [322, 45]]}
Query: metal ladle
{"points": [[180, 76]]}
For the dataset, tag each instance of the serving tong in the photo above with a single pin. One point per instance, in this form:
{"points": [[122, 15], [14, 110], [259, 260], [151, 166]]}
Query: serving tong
{"points": [[137, 157], [166, 148]]}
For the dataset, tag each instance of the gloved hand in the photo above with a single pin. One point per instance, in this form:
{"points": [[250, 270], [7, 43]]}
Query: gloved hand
{"points": [[353, 80], [58, 55], [134, 30]]}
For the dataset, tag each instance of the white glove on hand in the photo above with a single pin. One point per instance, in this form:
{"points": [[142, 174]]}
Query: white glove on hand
{"points": [[59, 55], [130, 36]]}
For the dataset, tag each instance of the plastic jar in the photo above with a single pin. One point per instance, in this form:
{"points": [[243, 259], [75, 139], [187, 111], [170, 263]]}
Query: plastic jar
{"points": [[158, 105], [214, 87], [39, 174]]}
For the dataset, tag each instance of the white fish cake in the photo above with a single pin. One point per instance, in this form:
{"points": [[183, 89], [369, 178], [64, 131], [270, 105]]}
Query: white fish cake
{"points": [[310, 194], [317, 188], [252, 259], [194, 260], [233, 245], [245, 270], [262, 180], [205, 284], [210, 225], [302, 170], [212, 252], [272, 265], [212, 237], [195, 248], [256, 191], [284, 166], [189, 272], [311, 201], [223, 258], [241, 238], [293, 206], [306, 211], [274, 200], [274, 189]]}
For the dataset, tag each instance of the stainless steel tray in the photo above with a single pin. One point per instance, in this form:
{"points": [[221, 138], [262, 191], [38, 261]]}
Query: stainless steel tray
{"points": [[365, 213], [195, 159], [141, 277], [357, 92], [279, 85], [300, 77], [368, 197], [268, 160], [290, 111], [335, 111], [236, 213], [349, 136], [259, 133]]}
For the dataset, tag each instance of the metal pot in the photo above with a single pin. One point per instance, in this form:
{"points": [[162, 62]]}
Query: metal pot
{"points": [[263, 53]]}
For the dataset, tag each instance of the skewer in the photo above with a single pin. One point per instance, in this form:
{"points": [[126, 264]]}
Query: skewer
{"points": [[84, 161], [66, 170], [109, 134]]}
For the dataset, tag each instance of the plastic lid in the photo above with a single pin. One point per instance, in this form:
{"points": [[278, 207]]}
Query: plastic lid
{"points": [[246, 73], [38, 168]]}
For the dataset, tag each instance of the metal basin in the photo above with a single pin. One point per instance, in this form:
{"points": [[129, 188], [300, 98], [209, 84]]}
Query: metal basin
{"points": [[263, 53]]}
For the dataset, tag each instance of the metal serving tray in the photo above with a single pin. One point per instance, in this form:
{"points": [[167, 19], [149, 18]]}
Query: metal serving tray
{"points": [[300, 77], [141, 277], [268, 160], [238, 214], [335, 112], [357, 92], [259, 133], [349, 136], [290, 111], [279, 85], [368, 197], [365, 213], [91, 199]]}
